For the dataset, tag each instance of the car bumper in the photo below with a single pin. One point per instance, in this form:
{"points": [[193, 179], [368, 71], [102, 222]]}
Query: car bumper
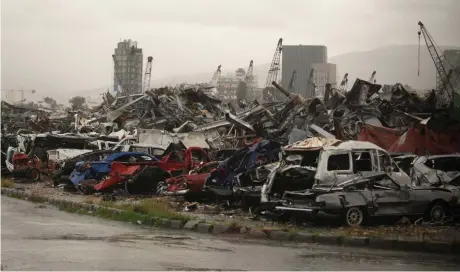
{"points": [[297, 209], [177, 193]]}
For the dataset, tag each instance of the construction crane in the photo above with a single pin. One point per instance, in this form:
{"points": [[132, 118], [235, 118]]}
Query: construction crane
{"points": [[344, 84], [372, 78], [269, 92], [444, 96], [148, 74], [249, 77], [291, 82], [216, 76], [275, 65]]}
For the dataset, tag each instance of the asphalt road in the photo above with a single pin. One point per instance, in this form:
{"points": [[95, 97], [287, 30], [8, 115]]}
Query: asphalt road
{"points": [[40, 237]]}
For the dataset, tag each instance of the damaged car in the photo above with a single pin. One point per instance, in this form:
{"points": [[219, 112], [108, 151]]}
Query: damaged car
{"points": [[189, 185], [429, 170], [242, 164], [322, 160], [373, 195], [97, 170]]}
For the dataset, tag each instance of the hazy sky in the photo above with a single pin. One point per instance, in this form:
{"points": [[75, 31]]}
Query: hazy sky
{"points": [[66, 45]]}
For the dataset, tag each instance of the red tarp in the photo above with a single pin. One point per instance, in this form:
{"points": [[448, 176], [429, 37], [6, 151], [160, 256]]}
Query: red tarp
{"points": [[418, 140]]}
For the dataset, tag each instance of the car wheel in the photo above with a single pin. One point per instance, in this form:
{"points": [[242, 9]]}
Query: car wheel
{"points": [[34, 174], [437, 212], [354, 217]]}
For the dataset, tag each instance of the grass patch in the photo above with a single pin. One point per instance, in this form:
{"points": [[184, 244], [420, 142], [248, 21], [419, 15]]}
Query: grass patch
{"points": [[152, 208], [92, 200], [8, 183]]}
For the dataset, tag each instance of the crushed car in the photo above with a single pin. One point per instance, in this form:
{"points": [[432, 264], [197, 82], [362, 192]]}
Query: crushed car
{"points": [[242, 164], [373, 195], [94, 171], [428, 170], [320, 160]]}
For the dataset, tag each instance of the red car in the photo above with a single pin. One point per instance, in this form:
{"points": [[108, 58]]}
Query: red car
{"points": [[188, 183]]}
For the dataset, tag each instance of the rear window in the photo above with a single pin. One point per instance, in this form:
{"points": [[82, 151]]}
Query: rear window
{"points": [[142, 149], [157, 152]]}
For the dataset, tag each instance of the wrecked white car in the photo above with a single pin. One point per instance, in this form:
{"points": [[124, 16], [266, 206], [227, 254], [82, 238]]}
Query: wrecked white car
{"points": [[325, 160], [430, 170]]}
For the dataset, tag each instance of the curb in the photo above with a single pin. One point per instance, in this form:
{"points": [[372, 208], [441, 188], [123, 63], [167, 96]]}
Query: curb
{"points": [[395, 243]]}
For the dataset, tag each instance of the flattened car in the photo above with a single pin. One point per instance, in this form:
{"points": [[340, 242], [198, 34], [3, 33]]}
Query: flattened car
{"points": [[379, 194]]}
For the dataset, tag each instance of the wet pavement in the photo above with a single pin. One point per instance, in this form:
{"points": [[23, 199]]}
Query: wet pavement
{"points": [[40, 237]]}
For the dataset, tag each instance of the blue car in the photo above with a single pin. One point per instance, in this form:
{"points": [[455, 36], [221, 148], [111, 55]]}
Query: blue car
{"points": [[97, 170]]}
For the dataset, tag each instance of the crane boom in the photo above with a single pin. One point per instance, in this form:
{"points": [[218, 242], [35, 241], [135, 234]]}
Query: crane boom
{"points": [[445, 97], [275, 65], [291, 83], [372, 78], [148, 74], [249, 77], [216, 76], [344, 83]]}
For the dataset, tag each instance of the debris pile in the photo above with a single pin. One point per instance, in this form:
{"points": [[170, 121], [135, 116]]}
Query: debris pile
{"points": [[296, 156]]}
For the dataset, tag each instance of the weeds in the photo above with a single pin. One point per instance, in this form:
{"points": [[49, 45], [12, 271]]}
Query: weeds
{"points": [[92, 200], [8, 183], [148, 207]]}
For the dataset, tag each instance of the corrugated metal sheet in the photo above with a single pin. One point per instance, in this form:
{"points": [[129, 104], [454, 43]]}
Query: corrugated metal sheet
{"points": [[301, 58]]}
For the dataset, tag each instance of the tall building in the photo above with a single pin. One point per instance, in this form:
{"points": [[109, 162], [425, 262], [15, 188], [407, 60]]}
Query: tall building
{"points": [[324, 73], [228, 85], [301, 58], [451, 60], [128, 67]]}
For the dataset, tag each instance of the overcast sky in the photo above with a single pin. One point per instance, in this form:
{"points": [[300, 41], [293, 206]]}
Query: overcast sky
{"points": [[66, 45]]}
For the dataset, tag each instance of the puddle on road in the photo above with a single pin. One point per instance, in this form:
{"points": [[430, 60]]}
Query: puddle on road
{"points": [[172, 241]]}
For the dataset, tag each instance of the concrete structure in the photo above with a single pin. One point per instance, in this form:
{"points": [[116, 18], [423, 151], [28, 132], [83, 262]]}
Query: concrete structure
{"points": [[324, 73], [227, 85], [128, 67], [301, 58], [451, 60]]}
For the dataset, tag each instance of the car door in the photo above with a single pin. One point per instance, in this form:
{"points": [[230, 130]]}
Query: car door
{"points": [[396, 173], [389, 198]]}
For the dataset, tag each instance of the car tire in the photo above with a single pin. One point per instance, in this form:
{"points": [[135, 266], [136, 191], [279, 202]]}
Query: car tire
{"points": [[353, 216], [437, 212], [34, 174]]}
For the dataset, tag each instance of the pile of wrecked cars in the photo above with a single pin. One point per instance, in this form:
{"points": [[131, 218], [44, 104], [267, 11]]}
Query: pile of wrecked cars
{"points": [[354, 181], [355, 155]]}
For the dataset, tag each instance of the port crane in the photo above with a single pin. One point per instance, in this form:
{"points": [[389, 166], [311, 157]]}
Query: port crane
{"points": [[148, 74], [216, 76], [249, 78], [372, 78], [273, 73], [344, 84], [446, 91]]}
